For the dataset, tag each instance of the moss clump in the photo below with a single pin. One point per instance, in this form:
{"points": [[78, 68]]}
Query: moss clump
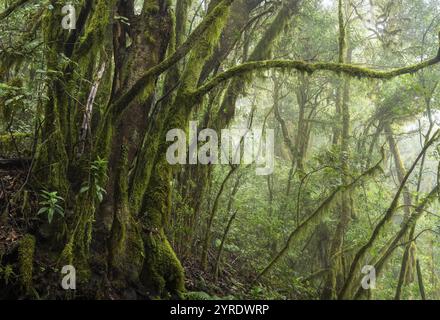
{"points": [[162, 272], [67, 254], [96, 28], [26, 252]]}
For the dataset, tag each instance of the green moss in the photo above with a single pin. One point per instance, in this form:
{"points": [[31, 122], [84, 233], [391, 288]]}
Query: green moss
{"points": [[125, 246], [97, 27], [67, 254], [76, 250], [26, 252], [51, 164], [310, 68], [262, 50], [150, 7], [162, 273], [180, 22], [204, 49]]}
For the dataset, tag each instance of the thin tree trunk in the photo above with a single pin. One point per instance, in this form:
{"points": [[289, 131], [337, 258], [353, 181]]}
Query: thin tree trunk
{"points": [[208, 232], [400, 169], [420, 280], [220, 250], [335, 277]]}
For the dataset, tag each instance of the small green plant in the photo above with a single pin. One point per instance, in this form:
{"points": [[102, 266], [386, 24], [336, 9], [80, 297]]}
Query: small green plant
{"points": [[98, 174], [7, 273], [51, 205]]}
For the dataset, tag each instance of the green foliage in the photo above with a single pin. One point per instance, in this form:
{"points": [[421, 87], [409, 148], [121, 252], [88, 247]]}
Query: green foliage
{"points": [[98, 172], [7, 273], [295, 229], [50, 205]]}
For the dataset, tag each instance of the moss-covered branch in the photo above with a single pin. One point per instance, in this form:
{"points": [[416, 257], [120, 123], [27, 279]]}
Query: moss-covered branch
{"points": [[262, 51], [177, 115], [94, 33], [302, 66]]}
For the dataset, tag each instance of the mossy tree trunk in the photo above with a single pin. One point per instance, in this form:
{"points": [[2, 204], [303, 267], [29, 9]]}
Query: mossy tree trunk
{"points": [[117, 242], [162, 269], [126, 243]]}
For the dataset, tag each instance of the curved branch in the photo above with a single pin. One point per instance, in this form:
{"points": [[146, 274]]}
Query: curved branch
{"points": [[349, 69]]}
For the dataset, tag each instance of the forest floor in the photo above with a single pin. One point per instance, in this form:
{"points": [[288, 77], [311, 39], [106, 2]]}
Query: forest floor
{"points": [[230, 283], [12, 226], [16, 219]]}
